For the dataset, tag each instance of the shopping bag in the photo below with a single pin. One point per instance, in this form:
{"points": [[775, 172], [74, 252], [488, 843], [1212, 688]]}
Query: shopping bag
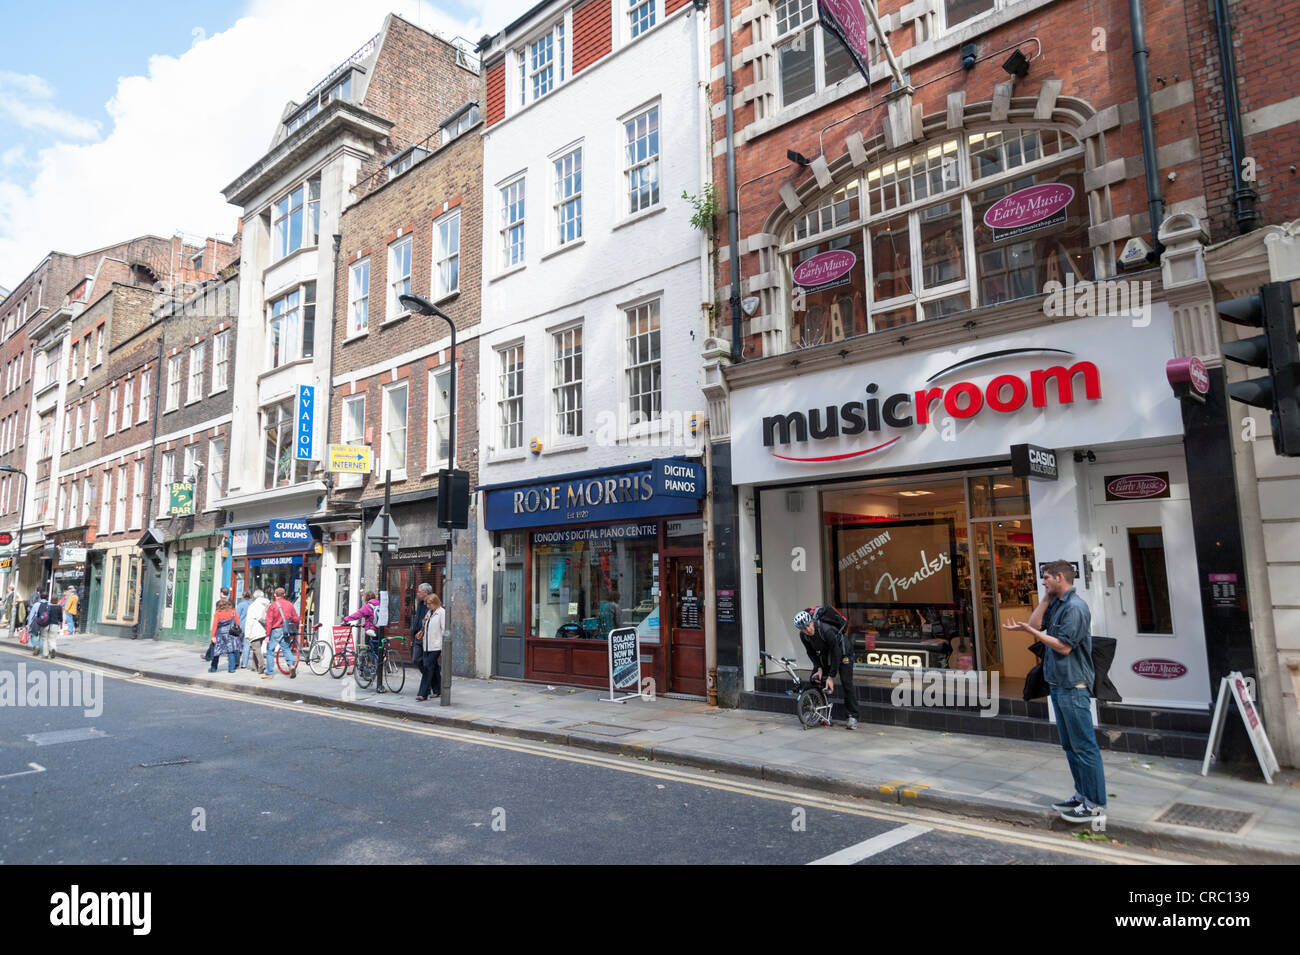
{"points": [[22, 635]]}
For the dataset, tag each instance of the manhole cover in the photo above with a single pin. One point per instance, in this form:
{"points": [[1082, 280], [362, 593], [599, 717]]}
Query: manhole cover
{"points": [[1204, 817], [179, 761], [64, 736], [602, 729]]}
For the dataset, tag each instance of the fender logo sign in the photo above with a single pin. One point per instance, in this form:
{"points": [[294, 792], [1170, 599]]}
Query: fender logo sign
{"points": [[1004, 394]]}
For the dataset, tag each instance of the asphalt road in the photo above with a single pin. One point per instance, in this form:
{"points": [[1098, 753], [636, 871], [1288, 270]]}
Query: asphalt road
{"points": [[169, 774]]}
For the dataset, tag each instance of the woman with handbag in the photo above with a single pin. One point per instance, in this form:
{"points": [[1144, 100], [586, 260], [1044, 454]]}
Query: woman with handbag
{"points": [[227, 638]]}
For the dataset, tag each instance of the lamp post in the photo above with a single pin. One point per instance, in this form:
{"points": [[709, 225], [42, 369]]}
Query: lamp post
{"points": [[18, 546], [423, 306]]}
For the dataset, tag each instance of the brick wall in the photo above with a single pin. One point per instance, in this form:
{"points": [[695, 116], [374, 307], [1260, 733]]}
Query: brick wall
{"points": [[496, 93], [416, 84], [592, 34], [450, 179]]}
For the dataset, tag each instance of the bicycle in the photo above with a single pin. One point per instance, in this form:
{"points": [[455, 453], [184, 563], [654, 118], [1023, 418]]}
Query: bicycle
{"points": [[811, 703], [321, 654], [368, 665], [344, 660]]}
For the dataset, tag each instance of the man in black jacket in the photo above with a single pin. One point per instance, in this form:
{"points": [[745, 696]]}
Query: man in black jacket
{"points": [[828, 649]]}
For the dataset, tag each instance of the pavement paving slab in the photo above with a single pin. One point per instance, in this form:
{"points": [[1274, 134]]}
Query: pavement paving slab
{"points": [[984, 777]]}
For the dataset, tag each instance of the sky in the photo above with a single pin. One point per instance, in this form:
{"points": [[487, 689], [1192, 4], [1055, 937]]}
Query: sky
{"points": [[128, 118]]}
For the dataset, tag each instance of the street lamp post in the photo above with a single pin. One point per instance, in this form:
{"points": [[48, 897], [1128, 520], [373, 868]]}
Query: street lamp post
{"points": [[18, 547], [423, 306]]}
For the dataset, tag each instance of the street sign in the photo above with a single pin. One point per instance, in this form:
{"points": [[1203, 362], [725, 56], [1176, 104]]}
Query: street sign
{"points": [[305, 423], [350, 458], [382, 534]]}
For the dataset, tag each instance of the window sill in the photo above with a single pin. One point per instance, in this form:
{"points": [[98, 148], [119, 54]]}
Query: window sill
{"points": [[508, 457], [193, 401], [638, 216], [170, 410], [510, 271], [401, 317], [564, 248], [218, 391], [398, 476], [290, 256], [357, 337], [449, 297], [279, 368], [564, 449]]}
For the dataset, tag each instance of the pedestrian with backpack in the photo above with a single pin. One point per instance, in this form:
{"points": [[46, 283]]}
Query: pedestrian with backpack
{"points": [[824, 634]]}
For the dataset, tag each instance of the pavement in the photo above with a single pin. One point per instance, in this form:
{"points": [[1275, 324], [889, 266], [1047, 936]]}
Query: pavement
{"points": [[1010, 781]]}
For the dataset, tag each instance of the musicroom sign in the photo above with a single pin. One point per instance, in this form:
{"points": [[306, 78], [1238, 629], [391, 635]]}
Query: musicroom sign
{"points": [[1089, 381]]}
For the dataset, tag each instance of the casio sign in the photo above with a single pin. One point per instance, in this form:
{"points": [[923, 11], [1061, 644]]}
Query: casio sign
{"points": [[1028, 460], [876, 659]]}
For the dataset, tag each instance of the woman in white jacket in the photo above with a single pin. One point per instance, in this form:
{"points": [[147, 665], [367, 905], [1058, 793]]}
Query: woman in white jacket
{"points": [[435, 625], [255, 629]]}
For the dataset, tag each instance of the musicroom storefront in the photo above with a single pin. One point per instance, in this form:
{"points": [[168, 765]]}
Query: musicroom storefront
{"points": [[578, 555], [887, 488]]}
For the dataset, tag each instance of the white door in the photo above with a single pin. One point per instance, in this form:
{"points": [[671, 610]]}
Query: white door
{"points": [[1152, 602]]}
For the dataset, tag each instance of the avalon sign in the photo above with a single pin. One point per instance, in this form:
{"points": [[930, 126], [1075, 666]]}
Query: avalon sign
{"points": [[305, 423]]}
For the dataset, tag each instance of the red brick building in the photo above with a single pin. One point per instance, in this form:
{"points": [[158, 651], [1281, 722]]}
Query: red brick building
{"points": [[985, 208], [391, 374]]}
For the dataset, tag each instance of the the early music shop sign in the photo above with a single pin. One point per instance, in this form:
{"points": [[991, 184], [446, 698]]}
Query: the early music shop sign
{"points": [[1132, 487], [968, 403], [1038, 207]]}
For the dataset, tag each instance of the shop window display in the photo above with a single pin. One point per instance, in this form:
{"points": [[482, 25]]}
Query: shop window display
{"points": [[583, 588]]}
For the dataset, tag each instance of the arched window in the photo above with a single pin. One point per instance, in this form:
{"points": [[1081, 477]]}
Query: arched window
{"points": [[968, 221]]}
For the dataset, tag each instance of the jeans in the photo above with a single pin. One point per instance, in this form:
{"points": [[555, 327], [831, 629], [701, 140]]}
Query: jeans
{"points": [[1079, 740], [243, 657], [232, 661], [71, 621], [277, 639]]}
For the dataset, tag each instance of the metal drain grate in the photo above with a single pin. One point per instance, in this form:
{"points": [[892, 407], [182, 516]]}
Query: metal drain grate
{"points": [[603, 729], [1204, 817], [181, 761]]}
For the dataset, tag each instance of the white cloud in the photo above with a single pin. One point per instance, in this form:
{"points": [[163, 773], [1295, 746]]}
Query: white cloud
{"points": [[192, 124], [22, 99]]}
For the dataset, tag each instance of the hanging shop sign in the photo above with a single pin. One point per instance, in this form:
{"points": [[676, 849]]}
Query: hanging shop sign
{"points": [[1028, 460], [679, 478], [182, 498], [967, 403], [72, 554], [1027, 210], [1189, 378], [1133, 487], [596, 496], [305, 423], [296, 530]]}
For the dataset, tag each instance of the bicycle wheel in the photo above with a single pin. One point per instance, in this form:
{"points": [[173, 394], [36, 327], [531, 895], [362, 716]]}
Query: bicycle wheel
{"points": [[394, 673], [281, 663], [320, 657], [339, 665], [811, 702], [367, 663]]}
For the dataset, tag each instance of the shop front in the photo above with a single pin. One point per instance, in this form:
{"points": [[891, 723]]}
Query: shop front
{"points": [[920, 494], [279, 553], [116, 581], [582, 554]]}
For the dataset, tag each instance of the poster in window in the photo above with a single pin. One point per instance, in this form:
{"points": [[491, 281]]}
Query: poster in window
{"points": [[895, 564]]}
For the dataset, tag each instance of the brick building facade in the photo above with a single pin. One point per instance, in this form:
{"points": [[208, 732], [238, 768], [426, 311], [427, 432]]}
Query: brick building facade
{"points": [[391, 367]]}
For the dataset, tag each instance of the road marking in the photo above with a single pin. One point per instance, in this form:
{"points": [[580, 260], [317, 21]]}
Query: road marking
{"points": [[873, 846], [849, 805], [35, 768], [50, 737]]}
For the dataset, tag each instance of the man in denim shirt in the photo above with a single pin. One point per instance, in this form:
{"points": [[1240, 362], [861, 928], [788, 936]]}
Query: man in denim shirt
{"points": [[1067, 666]]}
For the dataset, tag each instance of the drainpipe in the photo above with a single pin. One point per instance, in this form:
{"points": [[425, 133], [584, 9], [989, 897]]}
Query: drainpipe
{"points": [[329, 389], [733, 214], [1243, 196], [1155, 202], [148, 496]]}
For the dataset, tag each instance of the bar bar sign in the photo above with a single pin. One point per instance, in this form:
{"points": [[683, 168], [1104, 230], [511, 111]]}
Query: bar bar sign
{"points": [[305, 423]]}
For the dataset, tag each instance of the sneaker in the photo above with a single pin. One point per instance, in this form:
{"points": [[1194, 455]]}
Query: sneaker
{"points": [[267, 676], [1081, 813], [852, 724], [1065, 805], [293, 674]]}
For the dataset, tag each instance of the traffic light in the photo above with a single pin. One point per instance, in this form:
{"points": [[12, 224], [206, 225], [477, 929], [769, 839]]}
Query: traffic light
{"points": [[453, 498], [1276, 350]]}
